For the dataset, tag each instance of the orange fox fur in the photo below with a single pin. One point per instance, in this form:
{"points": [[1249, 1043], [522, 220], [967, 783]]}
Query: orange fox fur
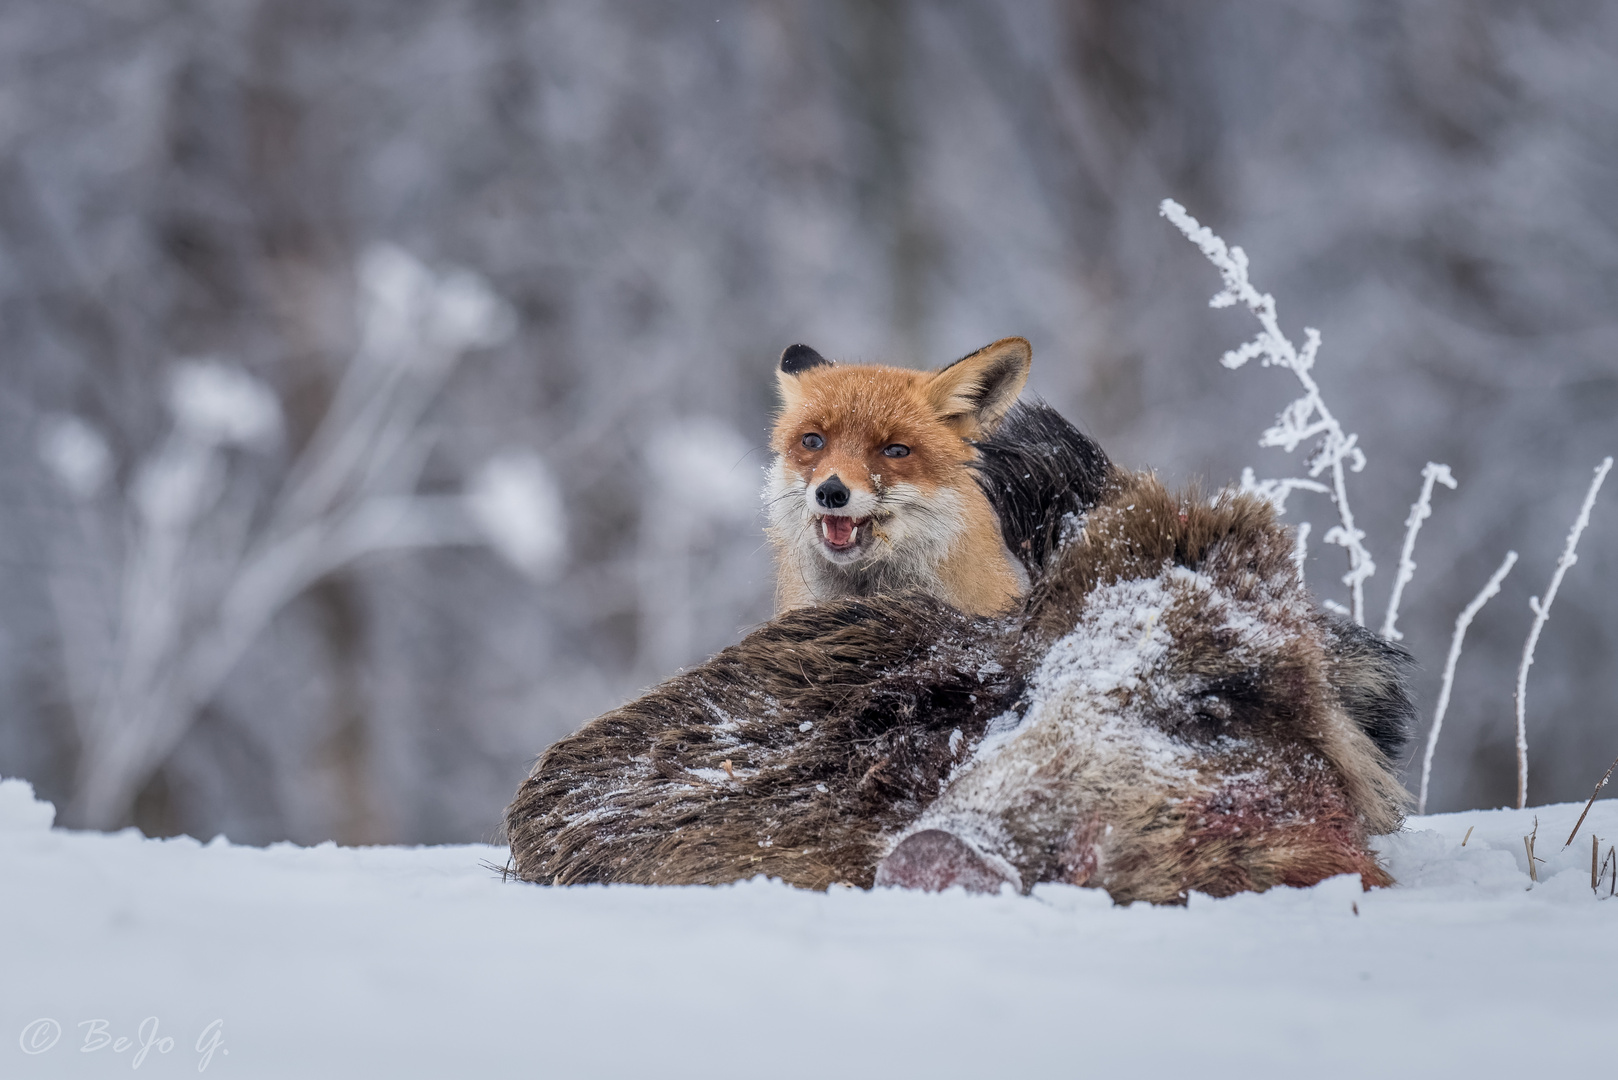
{"points": [[872, 489]]}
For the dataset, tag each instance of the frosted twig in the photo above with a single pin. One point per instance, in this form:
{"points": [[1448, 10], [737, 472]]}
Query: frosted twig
{"points": [[1542, 612], [1462, 621], [1275, 492], [1300, 550], [1304, 419], [1420, 511]]}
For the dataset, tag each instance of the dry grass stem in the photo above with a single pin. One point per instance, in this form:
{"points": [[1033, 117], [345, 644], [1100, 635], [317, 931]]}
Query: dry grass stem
{"points": [[1468, 835], [1599, 785], [1528, 843]]}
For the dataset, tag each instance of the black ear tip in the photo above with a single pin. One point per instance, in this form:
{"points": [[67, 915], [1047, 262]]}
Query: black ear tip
{"points": [[796, 358]]}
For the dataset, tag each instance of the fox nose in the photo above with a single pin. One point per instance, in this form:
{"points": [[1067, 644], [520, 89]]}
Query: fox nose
{"points": [[832, 494]]}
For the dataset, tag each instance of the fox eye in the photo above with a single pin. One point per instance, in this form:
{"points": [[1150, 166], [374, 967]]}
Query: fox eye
{"points": [[896, 450], [813, 441]]}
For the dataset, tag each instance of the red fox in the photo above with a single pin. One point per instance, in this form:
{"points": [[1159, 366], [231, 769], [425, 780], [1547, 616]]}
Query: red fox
{"points": [[1165, 712], [875, 488]]}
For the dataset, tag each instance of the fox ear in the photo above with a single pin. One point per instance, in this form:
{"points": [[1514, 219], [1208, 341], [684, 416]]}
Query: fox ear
{"points": [[796, 359], [975, 393]]}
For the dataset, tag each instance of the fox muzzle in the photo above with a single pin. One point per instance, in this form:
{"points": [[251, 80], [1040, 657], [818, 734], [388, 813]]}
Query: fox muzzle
{"points": [[832, 493]]}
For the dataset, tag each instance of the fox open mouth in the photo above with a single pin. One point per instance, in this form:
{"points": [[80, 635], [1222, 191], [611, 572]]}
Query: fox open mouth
{"points": [[843, 534]]}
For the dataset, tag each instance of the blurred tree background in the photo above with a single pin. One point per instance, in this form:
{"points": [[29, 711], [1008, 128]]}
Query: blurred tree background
{"points": [[664, 194]]}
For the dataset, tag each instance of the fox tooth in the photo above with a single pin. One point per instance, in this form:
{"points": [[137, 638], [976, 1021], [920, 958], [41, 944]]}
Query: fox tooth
{"points": [[854, 535]]}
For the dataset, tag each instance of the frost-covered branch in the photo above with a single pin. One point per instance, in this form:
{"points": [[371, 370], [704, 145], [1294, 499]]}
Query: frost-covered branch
{"points": [[199, 577], [1420, 511], [1542, 612], [1275, 492], [1304, 419], [1300, 548], [1462, 621]]}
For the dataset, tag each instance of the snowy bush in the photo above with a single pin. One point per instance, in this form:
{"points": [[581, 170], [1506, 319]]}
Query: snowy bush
{"points": [[196, 569]]}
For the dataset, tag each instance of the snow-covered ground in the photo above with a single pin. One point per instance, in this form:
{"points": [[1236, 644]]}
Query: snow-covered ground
{"points": [[408, 962]]}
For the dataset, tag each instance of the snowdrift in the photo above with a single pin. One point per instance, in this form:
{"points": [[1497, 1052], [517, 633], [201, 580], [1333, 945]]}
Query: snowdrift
{"points": [[174, 955]]}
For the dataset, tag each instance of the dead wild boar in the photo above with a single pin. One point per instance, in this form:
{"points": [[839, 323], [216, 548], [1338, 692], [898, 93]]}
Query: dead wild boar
{"points": [[1166, 711]]}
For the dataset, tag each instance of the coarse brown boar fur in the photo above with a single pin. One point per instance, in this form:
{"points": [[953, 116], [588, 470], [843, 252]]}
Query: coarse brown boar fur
{"points": [[1165, 712]]}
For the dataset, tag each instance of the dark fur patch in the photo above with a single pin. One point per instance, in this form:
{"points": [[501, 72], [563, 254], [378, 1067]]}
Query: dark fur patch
{"points": [[798, 358], [1036, 469], [1371, 675]]}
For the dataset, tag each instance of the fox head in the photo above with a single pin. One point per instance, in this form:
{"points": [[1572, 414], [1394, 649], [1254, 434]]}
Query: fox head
{"points": [[872, 488]]}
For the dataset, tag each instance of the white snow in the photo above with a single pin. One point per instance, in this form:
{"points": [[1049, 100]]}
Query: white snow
{"points": [[220, 404], [712, 776], [468, 314], [517, 502], [409, 306], [421, 962], [76, 454]]}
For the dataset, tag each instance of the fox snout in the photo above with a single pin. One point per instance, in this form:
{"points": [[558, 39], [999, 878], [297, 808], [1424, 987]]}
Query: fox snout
{"points": [[841, 517], [832, 494]]}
